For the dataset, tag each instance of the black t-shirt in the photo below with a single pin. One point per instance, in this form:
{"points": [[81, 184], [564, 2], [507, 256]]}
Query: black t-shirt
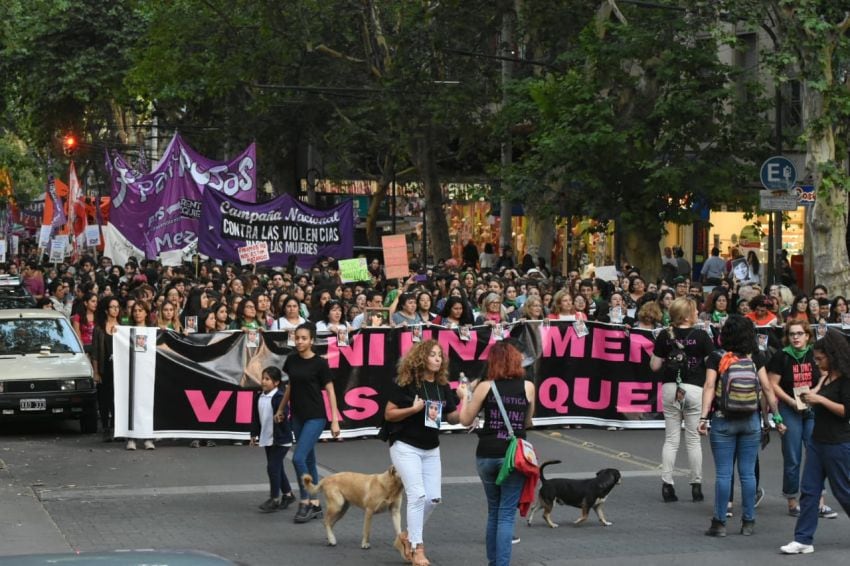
{"points": [[493, 437], [697, 344], [412, 430], [307, 378], [829, 427], [793, 373]]}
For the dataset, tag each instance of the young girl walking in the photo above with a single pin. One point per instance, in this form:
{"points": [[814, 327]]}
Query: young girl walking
{"points": [[275, 435]]}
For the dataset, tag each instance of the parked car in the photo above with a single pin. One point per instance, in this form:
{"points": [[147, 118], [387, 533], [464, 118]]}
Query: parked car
{"points": [[44, 372], [13, 295]]}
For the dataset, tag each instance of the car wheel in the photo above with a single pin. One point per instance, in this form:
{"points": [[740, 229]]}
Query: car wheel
{"points": [[88, 422]]}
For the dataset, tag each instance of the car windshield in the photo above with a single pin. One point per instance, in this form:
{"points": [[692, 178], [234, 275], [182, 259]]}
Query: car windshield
{"points": [[32, 335]]}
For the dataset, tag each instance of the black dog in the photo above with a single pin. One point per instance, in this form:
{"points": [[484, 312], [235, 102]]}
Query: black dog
{"points": [[585, 494]]}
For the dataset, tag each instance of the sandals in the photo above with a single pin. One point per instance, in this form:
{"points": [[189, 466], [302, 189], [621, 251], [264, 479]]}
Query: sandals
{"points": [[402, 544], [419, 556]]}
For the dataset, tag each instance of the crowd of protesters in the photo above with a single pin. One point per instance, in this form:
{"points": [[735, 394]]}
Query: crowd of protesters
{"points": [[490, 289]]}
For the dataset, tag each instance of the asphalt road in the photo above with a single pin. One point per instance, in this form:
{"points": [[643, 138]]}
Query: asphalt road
{"points": [[65, 492]]}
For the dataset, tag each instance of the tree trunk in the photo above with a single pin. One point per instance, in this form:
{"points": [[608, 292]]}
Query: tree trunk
{"points": [[540, 237], [438, 227], [641, 245], [375, 204], [829, 217]]}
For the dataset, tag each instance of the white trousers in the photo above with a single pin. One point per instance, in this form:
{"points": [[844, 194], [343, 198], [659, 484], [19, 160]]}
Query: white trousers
{"points": [[676, 412], [421, 473]]}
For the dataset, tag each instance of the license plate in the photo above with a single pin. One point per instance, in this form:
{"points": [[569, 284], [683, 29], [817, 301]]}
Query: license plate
{"points": [[33, 404]]}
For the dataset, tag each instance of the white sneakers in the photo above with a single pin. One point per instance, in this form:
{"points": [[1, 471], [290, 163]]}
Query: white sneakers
{"points": [[131, 444], [149, 445], [797, 548]]}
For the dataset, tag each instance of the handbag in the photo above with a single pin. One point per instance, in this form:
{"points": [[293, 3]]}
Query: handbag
{"points": [[520, 454]]}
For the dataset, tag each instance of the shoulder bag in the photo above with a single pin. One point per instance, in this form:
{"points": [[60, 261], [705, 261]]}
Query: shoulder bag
{"points": [[520, 454]]}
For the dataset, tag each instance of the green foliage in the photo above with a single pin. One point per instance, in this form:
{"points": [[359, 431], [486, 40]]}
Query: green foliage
{"points": [[646, 125]]}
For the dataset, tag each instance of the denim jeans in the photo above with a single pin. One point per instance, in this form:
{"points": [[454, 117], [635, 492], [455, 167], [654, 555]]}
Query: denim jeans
{"points": [[278, 482], [733, 439], [676, 412], [798, 434], [502, 503], [421, 473], [822, 461], [307, 434]]}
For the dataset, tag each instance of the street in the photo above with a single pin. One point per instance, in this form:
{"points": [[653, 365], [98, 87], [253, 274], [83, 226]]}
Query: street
{"points": [[64, 492]]}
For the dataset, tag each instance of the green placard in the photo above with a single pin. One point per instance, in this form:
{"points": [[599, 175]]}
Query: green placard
{"points": [[352, 270]]}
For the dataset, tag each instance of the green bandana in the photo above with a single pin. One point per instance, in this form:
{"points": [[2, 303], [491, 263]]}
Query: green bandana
{"points": [[797, 354]]}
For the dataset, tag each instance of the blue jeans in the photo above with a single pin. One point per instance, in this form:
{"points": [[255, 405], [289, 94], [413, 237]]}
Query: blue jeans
{"points": [[733, 439], [307, 434], [798, 434], [278, 482], [502, 501], [822, 461]]}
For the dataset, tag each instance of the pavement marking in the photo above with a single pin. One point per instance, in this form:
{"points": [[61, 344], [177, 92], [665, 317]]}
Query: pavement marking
{"points": [[95, 493], [619, 455]]}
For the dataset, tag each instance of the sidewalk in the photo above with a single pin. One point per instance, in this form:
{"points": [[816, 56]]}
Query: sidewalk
{"points": [[25, 526]]}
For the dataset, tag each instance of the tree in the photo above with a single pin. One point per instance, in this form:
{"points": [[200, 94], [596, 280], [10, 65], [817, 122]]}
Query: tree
{"points": [[641, 128], [810, 42]]}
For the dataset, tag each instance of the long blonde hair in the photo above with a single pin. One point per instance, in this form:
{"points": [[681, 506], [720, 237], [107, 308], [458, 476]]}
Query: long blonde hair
{"points": [[411, 368]]}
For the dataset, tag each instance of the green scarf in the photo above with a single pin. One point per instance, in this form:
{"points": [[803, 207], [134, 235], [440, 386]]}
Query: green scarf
{"points": [[716, 316], [797, 354]]}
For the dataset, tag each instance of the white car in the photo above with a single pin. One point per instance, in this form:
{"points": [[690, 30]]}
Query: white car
{"points": [[43, 370]]}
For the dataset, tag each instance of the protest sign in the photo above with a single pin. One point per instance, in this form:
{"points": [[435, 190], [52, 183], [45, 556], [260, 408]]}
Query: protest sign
{"points": [[395, 256], [253, 253], [353, 270]]}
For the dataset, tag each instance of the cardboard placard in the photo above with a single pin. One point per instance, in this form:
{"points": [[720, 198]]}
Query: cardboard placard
{"points": [[44, 235], [353, 270], [92, 236], [607, 272], [395, 256], [3, 251], [254, 253], [57, 248]]}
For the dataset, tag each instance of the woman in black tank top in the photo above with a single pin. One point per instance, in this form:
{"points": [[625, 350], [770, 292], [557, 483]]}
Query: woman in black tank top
{"points": [[504, 369]]}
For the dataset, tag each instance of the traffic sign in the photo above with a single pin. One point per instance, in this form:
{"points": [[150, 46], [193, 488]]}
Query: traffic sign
{"points": [[778, 174]]}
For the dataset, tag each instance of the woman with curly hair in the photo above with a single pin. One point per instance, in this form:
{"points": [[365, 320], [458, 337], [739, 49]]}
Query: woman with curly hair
{"points": [[828, 453], [416, 402]]}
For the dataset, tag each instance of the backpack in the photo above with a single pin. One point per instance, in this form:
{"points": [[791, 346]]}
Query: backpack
{"points": [[677, 360], [738, 388]]}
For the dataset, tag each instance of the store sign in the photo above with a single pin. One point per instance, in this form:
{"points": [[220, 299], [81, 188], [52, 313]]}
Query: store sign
{"points": [[776, 201], [805, 195], [778, 174]]}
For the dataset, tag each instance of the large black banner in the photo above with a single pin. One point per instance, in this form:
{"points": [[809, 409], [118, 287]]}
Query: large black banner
{"points": [[203, 384]]}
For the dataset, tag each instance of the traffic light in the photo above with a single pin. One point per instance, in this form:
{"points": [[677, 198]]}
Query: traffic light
{"points": [[69, 144]]}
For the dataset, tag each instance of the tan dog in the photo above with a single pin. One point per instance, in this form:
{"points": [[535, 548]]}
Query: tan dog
{"points": [[373, 493]]}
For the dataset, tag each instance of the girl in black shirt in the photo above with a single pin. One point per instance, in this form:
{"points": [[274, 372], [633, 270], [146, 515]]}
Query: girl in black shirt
{"points": [[828, 454], [421, 391]]}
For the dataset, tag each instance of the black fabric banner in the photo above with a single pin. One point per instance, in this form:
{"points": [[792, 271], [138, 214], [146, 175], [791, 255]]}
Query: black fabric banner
{"points": [[205, 383]]}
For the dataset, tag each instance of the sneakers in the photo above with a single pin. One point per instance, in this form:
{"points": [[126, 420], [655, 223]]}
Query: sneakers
{"points": [[149, 445], [195, 444], [286, 501], [729, 512], [270, 505], [717, 529], [759, 496], [794, 511], [307, 512], [209, 444], [668, 492], [796, 548], [747, 528], [696, 492], [131, 444], [826, 512], [514, 539]]}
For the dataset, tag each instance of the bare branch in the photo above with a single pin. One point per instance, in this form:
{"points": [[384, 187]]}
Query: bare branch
{"points": [[324, 49]]}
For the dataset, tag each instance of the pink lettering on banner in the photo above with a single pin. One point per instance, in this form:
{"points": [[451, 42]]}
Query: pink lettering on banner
{"points": [[555, 342], [581, 394], [635, 397], [450, 342], [210, 414], [244, 406], [406, 340], [377, 341], [638, 346], [361, 404], [353, 353], [608, 345], [327, 402], [553, 394]]}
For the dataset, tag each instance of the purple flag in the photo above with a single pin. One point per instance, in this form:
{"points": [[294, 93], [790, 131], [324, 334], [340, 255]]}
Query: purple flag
{"points": [[159, 211], [287, 226]]}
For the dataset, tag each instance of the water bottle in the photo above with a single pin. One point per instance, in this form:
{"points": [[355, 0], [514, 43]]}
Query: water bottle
{"points": [[465, 381]]}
